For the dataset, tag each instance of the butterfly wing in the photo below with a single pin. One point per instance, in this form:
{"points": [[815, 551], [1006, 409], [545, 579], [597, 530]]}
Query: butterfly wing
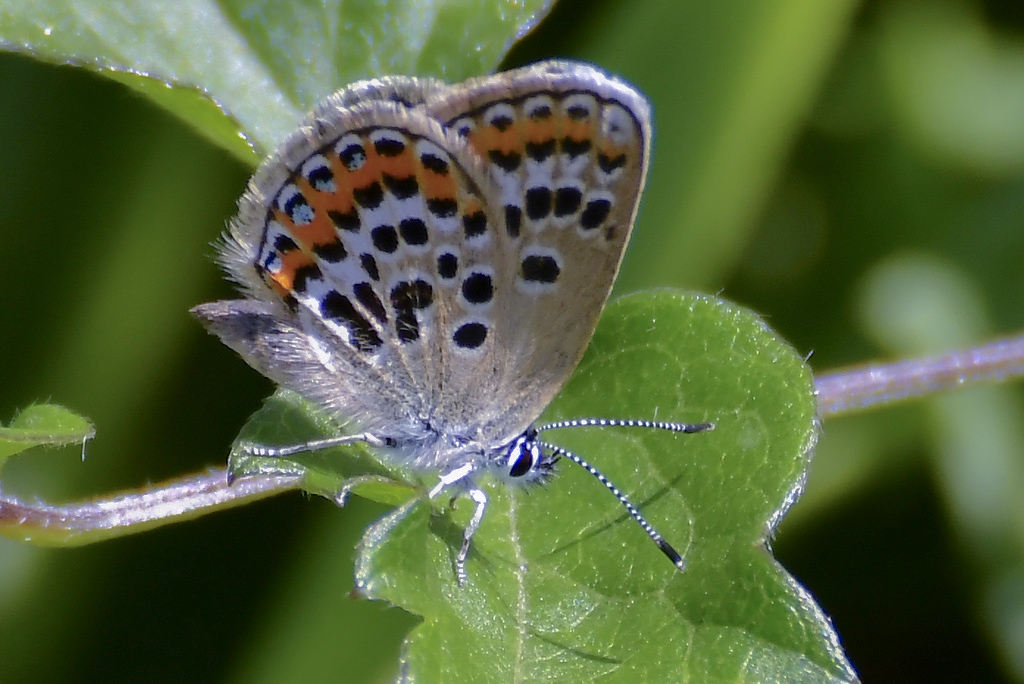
{"points": [[431, 260], [566, 150], [334, 244]]}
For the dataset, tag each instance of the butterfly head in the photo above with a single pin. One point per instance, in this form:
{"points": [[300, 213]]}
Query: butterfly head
{"points": [[524, 460]]}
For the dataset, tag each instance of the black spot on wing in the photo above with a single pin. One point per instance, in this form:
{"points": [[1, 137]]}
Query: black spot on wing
{"points": [[447, 265], [474, 224], [595, 213], [369, 196], [513, 219], [345, 221], [385, 238], [338, 308], [413, 231], [368, 298], [538, 202], [540, 269], [369, 265], [470, 335], [478, 288], [331, 252]]}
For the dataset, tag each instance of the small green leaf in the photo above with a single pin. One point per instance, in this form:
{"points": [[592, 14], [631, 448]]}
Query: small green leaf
{"points": [[43, 424], [264, 65]]}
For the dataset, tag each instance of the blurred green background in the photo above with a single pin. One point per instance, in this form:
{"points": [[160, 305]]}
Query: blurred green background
{"points": [[853, 172]]}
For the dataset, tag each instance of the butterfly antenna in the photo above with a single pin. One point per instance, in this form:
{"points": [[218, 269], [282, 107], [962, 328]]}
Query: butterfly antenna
{"points": [[655, 536], [687, 428]]}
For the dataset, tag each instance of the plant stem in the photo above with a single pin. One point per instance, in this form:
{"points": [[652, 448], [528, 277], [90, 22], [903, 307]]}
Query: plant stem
{"points": [[863, 387], [90, 521]]}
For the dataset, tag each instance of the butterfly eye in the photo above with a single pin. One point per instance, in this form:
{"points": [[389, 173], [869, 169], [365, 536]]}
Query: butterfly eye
{"points": [[523, 456], [521, 465]]}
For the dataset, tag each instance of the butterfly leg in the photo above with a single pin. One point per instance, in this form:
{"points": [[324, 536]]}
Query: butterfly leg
{"points": [[351, 483], [479, 497]]}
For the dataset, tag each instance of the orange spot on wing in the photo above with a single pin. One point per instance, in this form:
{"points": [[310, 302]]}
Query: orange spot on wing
{"points": [[317, 232], [321, 230], [435, 185], [280, 289], [613, 151], [539, 131], [283, 279], [578, 130], [487, 138], [370, 171], [401, 165], [341, 200], [282, 218]]}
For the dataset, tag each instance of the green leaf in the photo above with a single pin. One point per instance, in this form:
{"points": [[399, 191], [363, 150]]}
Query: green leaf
{"points": [[563, 585], [43, 424], [264, 65]]}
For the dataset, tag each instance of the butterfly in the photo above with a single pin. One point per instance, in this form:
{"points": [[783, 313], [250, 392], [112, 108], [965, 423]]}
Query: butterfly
{"points": [[428, 262]]}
